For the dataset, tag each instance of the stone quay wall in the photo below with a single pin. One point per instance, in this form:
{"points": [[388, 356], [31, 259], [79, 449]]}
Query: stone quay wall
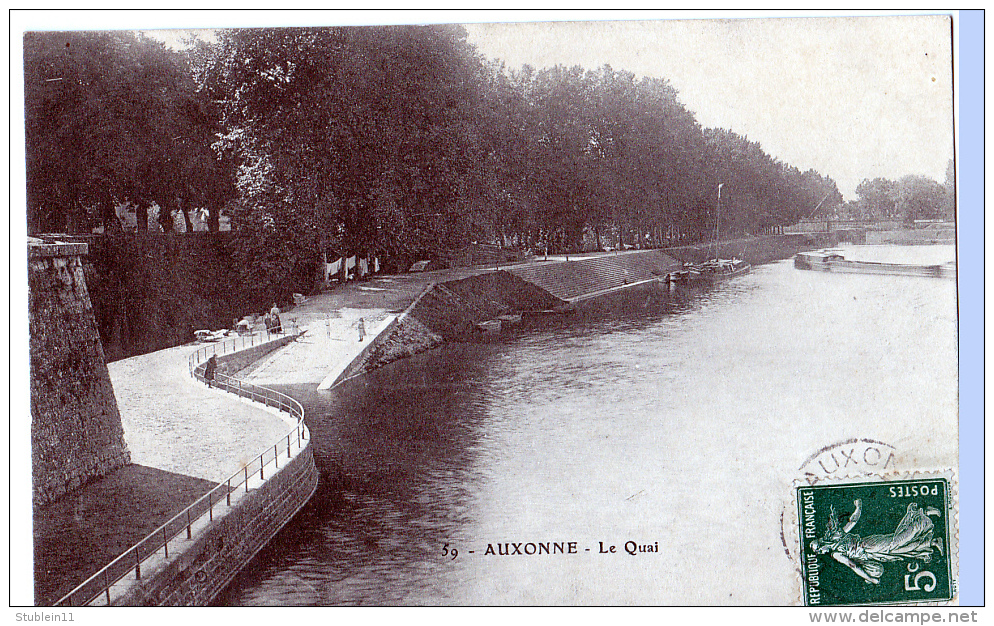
{"points": [[758, 250], [235, 362], [449, 311], [76, 430], [405, 336], [209, 561]]}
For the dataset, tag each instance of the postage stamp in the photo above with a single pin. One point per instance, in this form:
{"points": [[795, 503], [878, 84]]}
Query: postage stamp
{"points": [[877, 541]]}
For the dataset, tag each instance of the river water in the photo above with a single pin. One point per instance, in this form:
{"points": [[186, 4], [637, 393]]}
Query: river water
{"points": [[676, 420]]}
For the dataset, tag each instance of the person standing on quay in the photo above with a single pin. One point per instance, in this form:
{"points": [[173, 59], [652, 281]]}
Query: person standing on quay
{"points": [[362, 329], [277, 324], [210, 369]]}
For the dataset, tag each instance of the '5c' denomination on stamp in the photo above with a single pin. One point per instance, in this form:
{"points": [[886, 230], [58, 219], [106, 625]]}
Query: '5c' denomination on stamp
{"points": [[877, 542]]}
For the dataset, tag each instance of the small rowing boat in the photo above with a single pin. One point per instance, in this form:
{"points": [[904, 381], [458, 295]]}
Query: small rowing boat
{"points": [[488, 326]]}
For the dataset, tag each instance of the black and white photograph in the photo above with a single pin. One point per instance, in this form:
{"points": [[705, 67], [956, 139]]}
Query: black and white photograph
{"points": [[396, 309]]}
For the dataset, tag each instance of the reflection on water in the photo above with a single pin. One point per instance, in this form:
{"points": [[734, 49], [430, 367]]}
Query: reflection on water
{"points": [[676, 419]]}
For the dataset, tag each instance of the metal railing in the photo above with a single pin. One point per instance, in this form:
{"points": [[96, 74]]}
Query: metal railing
{"points": [[181, 526], [234, 343]]}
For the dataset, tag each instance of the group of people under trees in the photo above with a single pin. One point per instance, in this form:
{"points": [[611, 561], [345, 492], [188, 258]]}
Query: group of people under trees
{"points": [[272, 321], [243, 327]]}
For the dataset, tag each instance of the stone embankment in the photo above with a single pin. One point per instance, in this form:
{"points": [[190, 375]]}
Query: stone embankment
{"points": [[757, 250], [453, 309], [450, 311], [589, 277], [936, 234], [76, 432]]}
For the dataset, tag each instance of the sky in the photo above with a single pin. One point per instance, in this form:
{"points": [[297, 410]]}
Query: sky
{"points": [[851, 97]]}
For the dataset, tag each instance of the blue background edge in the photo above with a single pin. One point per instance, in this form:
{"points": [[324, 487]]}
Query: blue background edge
{"points": [[971, 306]]}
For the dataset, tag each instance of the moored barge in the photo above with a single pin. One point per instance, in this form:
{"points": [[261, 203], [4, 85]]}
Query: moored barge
{"points": [[832, 261]]}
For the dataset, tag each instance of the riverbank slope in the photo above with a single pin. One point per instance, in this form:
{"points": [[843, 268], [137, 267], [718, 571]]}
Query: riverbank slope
{"points": [[410, 313]]}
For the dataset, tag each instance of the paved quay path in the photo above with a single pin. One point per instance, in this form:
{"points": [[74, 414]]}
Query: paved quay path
{"points": [[174, 423], [327, 348], [332, 319], [183, 437]]}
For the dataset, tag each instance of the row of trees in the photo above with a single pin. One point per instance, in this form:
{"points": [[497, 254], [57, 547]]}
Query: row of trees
{"points": [[907, 199], [111, 118], [603, 151], [383, 140]]}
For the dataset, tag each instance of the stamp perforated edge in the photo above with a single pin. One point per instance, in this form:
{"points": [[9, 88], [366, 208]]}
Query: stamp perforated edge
{"points": [[791, 526]]}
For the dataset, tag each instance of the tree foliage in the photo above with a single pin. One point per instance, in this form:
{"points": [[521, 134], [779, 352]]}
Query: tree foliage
{"points": [[394, 141], [113, 117], [909, 198], [355, 139]]}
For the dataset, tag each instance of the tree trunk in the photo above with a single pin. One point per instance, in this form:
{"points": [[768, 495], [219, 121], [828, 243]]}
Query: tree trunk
{"points": [[165, 218], [109, 214], [184, 208], [213, 218], [141, 215], [70, 219]]}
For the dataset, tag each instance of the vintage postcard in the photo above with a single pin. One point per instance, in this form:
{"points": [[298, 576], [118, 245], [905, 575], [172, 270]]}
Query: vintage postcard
{"points": [[483, 312]]}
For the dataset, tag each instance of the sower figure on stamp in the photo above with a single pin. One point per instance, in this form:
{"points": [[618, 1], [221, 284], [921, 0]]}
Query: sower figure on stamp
{"points": [[911, 540]]}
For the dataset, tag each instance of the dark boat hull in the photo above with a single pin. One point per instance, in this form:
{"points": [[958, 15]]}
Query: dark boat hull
{"points": [[703, 274], [836, 264]]}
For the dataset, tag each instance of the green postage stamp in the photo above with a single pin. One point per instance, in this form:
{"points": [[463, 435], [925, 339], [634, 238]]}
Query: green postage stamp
{"points": [[877, 542]]}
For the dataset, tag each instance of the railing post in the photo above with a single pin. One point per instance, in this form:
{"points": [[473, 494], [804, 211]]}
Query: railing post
{"points": [[262, 465], [165, 543], [210, 505], [276, 456], [246, 479], [229, 492], [138, 566], [288, 445], [189, 524]]}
